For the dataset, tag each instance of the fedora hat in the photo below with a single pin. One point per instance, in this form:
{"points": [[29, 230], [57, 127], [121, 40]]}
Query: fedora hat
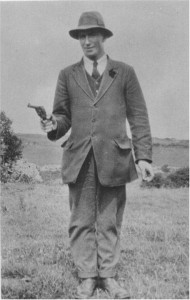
{"points": [[89, 20]]}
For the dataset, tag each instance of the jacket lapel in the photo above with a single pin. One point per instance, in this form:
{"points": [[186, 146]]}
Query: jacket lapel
{"points": [[81, 79], [109, 76]]}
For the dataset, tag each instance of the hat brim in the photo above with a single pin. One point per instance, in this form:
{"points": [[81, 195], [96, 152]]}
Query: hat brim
{"points": [[74, 33]]}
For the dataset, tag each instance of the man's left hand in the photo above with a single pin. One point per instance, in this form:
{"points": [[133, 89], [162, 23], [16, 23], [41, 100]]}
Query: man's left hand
{"points": [[146, 170]]}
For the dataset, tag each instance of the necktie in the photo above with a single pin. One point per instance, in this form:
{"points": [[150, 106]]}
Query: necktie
{"points": [[95, 73]]}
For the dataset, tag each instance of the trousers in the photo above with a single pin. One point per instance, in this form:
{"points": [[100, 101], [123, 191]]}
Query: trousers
{"points": [[95, 222]]}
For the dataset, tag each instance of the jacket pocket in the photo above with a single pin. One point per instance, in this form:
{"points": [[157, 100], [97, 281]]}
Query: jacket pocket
{"points": [[123, 144]]}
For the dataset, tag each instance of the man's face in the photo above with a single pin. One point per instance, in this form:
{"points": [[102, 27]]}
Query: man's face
{"points": [[91, 41]]}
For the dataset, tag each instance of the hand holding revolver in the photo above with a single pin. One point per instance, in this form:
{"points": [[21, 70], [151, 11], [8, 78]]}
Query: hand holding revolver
{"points": [[48, 122]]}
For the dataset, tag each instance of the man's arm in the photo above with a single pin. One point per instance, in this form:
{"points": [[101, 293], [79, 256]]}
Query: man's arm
{"points": [[61, 116], [139, 124]]}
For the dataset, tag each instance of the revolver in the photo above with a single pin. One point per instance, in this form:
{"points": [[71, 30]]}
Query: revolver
{"points": [[40, 111]]}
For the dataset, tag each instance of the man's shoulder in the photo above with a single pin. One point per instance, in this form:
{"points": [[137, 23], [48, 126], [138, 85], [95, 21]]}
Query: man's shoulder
{"points": [[115, 63], [121, 64], [68, 69]]}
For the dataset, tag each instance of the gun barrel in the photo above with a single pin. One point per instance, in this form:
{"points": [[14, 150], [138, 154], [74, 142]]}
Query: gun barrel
{"points": [[32, 106]]}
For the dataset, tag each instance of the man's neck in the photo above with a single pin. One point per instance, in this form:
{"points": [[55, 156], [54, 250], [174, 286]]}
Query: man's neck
{"points": [[91, 60]]}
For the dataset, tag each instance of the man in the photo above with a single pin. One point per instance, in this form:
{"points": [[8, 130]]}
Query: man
{"points": [[93, 98]]}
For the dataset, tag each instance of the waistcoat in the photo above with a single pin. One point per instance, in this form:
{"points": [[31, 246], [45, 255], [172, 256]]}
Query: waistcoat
{"points": [[94, 84]]}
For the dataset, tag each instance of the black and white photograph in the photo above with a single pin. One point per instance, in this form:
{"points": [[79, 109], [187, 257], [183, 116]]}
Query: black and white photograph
{"points": [[94, 160]]}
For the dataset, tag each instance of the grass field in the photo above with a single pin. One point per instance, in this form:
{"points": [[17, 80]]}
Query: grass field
{"points": [[36, 259]]}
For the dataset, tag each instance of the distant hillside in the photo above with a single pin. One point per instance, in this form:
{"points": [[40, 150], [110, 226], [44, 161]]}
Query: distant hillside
{"points": [[35, 139], [41, 139], [41, 151], [169, 142]]}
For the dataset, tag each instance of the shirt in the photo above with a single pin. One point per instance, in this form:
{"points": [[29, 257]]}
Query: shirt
{"points": [[102, 62]]}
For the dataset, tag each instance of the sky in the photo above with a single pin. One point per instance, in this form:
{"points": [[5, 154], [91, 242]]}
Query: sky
{"points": [[152, 36]]}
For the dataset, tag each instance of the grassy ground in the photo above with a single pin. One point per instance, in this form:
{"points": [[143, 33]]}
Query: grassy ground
{"points": [[36, 259]]}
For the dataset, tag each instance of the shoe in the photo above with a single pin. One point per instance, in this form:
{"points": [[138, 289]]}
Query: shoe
{"points": [[86, 289], [114, 290]]}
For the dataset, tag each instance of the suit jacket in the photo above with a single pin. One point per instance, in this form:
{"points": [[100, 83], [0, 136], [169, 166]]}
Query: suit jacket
{"points": [[100, 122]]}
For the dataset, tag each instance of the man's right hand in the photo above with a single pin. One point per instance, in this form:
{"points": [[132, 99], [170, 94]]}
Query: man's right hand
{"points": [[49, 124]]}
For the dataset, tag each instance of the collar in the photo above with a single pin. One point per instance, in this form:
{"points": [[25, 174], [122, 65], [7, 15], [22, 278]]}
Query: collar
{"points": [[102, 62]]}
